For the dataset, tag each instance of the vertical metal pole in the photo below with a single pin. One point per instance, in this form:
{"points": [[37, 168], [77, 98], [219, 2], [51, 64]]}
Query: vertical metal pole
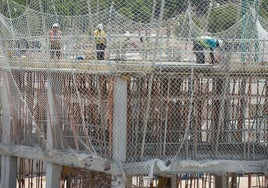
{"points": [[98, 11], [244, 11], [256, 45], [90, 15], [244, 29]]}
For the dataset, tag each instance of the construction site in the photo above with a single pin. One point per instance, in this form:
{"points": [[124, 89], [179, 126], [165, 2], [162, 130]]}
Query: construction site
{"points": [[142, 112]]}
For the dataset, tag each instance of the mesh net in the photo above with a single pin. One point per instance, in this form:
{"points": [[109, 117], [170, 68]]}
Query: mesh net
{"points": [[143, 100]]}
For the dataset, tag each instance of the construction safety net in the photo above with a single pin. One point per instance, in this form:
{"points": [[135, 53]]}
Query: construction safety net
{"points": [[137, 87]]}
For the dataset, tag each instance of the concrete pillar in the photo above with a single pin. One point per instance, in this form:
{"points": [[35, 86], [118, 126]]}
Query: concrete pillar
{"points": [[174, 181], [265, 179], [53, 171], [8, 171], [221, 181], [119, 127], [8, 163]]}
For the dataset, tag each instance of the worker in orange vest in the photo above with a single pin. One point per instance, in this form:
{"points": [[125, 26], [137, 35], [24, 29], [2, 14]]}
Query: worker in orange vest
{"points": [[100, 39], [55, 44]]}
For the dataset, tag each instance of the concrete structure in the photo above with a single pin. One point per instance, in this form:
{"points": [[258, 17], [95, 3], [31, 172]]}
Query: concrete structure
{"points": [[146, 116]]}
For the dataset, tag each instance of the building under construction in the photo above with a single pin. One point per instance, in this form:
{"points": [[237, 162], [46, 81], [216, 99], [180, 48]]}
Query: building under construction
{"points": [[147, 115]]}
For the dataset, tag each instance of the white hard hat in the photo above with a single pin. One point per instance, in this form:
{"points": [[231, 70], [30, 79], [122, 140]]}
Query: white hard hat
{"points": [[100, 26], [55, 25], [220, 42], [127, 34]]}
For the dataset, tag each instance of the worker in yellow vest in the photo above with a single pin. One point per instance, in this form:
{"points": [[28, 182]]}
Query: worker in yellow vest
{"points": [[100, 39]]}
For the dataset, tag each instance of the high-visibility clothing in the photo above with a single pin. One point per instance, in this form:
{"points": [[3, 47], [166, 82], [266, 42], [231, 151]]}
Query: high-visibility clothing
{"points": [[55, 39], [100, 36], [54, 35]]}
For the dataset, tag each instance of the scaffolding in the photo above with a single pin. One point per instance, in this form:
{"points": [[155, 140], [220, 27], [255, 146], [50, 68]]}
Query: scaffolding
{"points": [[147, 115]]}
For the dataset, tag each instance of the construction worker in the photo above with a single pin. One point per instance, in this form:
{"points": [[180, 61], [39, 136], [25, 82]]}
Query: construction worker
{"points": [[55, 44], [205, 42], [100, 39]]}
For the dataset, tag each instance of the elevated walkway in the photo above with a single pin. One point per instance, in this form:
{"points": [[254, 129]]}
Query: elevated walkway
{"points": [[135, 66]]}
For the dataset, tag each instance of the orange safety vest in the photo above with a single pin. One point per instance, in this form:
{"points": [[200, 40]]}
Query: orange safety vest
{"points": [[54, 35], [55, 38]]}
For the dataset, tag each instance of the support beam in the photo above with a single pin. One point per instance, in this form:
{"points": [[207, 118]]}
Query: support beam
{"points": [[174, 181], [8, 163], [221, 181], [53, 171], [233, 180], [8, 171], [119, 127]]}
